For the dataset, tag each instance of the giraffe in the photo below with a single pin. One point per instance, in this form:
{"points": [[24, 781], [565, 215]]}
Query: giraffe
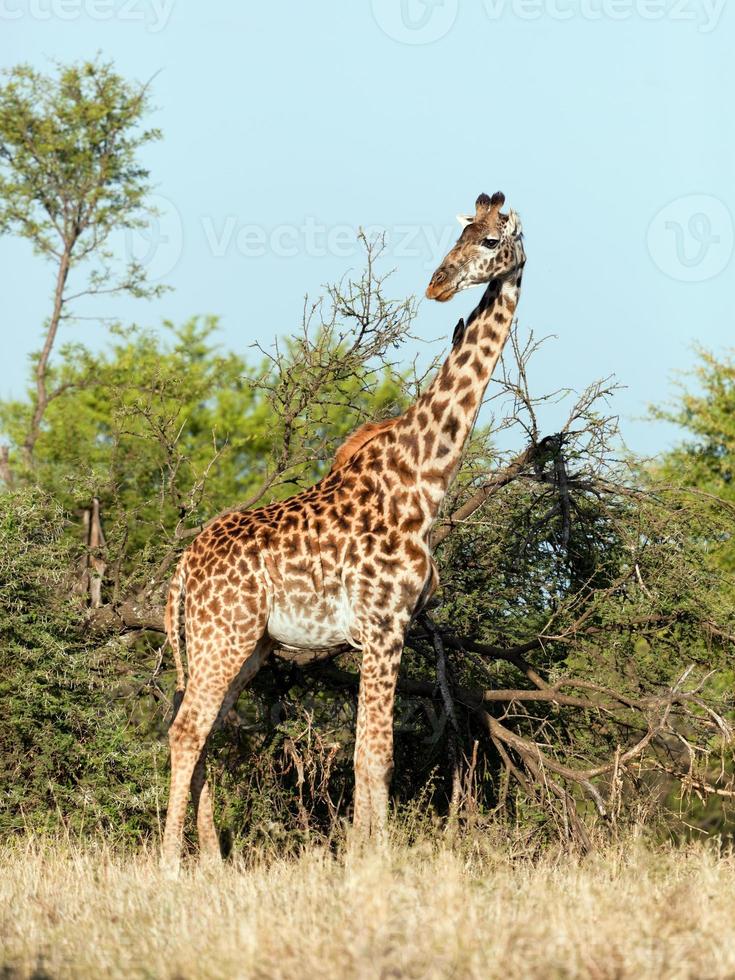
{"points": [[346, 562]]}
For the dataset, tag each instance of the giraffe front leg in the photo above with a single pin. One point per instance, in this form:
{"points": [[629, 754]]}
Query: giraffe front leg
{"points": [[374, 735], [361, 815]]}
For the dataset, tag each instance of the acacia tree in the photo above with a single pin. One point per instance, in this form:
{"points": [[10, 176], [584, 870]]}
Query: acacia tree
{"points": [[70, 176]]}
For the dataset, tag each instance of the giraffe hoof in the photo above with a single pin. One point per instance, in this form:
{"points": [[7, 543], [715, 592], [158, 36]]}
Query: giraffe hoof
{"points": [[170, 868], [211, 859]]}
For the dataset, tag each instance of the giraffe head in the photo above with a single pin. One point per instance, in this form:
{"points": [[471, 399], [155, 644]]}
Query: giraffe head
{"points": [[490, 247]]}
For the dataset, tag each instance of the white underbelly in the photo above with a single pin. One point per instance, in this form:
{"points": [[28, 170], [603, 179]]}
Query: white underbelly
{"points": [[326, 625]]}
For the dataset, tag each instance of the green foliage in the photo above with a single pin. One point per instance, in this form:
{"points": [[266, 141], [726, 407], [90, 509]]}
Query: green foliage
{"points": [[69, 753], [705, 460]]}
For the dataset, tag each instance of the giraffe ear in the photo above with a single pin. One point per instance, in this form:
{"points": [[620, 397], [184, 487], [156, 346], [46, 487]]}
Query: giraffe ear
{"points": [[465, 219], [513, 224]]}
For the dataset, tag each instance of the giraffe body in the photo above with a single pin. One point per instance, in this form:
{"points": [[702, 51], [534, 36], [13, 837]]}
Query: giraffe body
{"points": [[346, 562]]}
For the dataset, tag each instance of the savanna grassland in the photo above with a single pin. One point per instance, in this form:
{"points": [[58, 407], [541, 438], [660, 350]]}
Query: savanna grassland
{"points": [[429, 910]]}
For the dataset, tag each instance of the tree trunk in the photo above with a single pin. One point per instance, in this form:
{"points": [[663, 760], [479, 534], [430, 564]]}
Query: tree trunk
{"points": [[42, 397]]}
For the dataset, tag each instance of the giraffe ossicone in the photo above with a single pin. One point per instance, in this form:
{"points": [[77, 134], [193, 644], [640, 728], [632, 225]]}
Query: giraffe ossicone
{"points": [[346, 562]]}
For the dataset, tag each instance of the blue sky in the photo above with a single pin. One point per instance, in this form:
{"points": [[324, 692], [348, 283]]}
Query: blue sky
{"points": [[288, 125]]}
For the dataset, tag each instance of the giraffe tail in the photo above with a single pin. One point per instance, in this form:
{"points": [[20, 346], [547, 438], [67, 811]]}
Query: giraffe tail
{"points": [[176, 629]]}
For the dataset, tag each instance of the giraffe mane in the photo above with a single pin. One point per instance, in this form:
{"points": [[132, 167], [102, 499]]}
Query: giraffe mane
{"points": [[358, 439]]}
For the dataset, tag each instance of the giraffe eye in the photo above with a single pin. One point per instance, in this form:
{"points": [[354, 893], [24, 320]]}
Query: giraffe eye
{"points": [[490, 242]]}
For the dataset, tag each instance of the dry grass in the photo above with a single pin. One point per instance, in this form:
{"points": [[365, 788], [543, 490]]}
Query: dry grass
{"points": [[424, 911]]}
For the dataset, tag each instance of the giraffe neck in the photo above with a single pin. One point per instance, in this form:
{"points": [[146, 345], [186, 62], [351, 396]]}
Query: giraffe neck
{"points": [[436, 428]]}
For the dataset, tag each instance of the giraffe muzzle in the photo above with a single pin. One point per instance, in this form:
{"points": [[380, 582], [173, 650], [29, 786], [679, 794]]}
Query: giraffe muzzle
{"points": [[441, 287]]}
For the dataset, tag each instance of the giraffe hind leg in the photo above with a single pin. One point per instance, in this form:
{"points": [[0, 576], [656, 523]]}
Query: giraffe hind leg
{"points": [[208, 697], [202, 799]]}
